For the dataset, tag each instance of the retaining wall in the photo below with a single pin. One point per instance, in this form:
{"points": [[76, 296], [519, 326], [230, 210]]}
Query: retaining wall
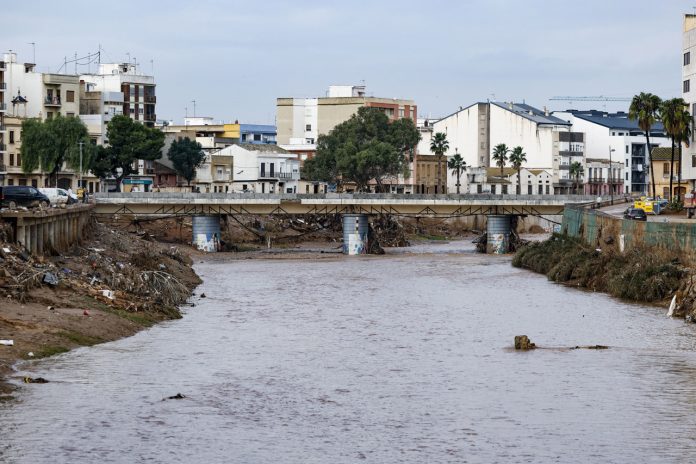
{"points": [[600, 229]]}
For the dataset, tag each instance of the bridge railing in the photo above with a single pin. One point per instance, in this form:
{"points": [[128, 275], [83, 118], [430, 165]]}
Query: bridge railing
{"points": [[155, 196]]}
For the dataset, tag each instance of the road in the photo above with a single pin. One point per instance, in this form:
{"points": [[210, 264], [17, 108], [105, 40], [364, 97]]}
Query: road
{"points": [[618, 208]]}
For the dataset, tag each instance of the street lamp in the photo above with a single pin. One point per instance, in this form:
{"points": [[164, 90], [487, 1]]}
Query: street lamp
{"points": [[611, 178]]}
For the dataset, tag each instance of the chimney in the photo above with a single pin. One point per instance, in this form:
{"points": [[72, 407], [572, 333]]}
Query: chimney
{"points": [[546, 112]]}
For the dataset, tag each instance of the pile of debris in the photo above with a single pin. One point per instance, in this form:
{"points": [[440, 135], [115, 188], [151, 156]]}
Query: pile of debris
{"points": [[117, 269], [389, 232]]}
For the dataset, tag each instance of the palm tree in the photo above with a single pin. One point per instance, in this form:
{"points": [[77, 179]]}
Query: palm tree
{"points": [[644, 109], [439, 146], [517, 158], [458, 166], [670, 112], [683, 137], [500, 153], [576, 171]]}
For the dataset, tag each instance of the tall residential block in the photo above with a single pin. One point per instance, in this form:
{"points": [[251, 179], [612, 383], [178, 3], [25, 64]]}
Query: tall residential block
{"points": [[688, 160]]}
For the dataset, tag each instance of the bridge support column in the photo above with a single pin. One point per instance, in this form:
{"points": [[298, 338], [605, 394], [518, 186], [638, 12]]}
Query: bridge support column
{"points": [[355, 233], [206, 233], [498, 230]]}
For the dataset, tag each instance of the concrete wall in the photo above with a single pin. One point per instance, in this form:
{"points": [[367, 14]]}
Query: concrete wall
{"points": [[596, 229], [50, 231]]}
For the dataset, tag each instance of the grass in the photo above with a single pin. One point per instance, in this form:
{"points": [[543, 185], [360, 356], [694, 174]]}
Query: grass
{"points": [[641, 274], [80, 339], [50, 351]]}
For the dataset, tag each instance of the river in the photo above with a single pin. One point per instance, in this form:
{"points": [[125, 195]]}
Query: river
{"points": [[402, 358]]}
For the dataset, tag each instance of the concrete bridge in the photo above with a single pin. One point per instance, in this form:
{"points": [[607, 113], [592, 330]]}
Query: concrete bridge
{"points": [[205, 204], [206, 209]]}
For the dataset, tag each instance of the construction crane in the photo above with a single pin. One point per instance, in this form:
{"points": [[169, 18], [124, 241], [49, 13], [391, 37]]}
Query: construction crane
{"points": [[599, 98]]}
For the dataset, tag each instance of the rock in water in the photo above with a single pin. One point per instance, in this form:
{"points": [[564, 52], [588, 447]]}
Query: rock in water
{"points": [[522, 342]]}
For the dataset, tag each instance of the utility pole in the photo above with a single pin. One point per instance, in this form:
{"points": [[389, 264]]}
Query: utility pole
{"points": [[611, 178], [194, 107], [33, 48], [79, 183]]}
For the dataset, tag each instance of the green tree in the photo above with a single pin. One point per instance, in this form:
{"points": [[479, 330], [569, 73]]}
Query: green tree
{"points": [[457, 165], [576, 171], [517, 158], [439, 146], [365, 147], [186, 155], [48, 145], [644, 109], [500, 156], [683, 138], [128, 141], [670, 112]]}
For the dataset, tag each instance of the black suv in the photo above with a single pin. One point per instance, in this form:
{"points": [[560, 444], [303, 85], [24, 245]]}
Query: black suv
{"points": [[22, 195], [635, 214]]}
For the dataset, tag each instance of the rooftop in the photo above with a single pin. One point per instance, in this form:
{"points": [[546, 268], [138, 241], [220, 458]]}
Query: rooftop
{"points": [[665, 154], [617, 120], [521, 109]]}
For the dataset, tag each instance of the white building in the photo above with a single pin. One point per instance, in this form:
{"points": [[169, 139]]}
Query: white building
{"points": [[688, 161], [490, 181], [263, 169], [46, 95], [614, 135], [474, 131]]}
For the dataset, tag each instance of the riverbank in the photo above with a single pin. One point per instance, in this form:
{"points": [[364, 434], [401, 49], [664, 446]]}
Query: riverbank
{"points": [[642, 274], [111, 286]]}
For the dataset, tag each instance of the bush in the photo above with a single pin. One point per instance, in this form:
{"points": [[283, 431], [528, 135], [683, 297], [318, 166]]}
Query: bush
{"points": [[645, 274]]}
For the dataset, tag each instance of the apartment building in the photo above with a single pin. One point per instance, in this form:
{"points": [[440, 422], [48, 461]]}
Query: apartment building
{"points": [[688, 156], [603, 178], [214, 136], [474, 131], [301, 121], [615, 137], [263, 169], [3, 107]]}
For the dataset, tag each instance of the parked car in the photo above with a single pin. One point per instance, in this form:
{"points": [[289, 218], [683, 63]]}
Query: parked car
{"points": [[22, 195], [635, 214], [56, 196]]}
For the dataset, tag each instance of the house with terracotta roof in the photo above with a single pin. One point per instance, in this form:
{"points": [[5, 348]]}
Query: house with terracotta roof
{"points": [[661, 165]]}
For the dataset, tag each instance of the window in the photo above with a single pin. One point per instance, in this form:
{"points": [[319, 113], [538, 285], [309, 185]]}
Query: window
{"points": [[49, 115], [626, 160], [687, 86], [11, 159], [12, 137], [529, 190], [70, 96], [19, 159], [541, 189], [492, 189], [257, 137], [308, 127], [687, 58], [693, 161], [626, 176], [547, 189], [626, 149], [263, 169], [70, 115], [665, 169], [505, 189]]}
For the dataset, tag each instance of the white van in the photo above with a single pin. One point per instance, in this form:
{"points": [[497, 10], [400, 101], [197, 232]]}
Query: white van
{"points": [[57, 196]]}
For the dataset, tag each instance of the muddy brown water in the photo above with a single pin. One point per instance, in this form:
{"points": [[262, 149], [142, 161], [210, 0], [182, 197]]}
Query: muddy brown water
{"points": [[397, 359]]}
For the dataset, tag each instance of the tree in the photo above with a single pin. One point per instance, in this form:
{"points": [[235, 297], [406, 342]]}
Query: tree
{"points": [[457, 165], [683, 137], [365, 147], [644, 109], [128, 141], [576, 171], [186, 155], [517, 158], [439, 146], [48, 145], [670, 111], [500, 153]]}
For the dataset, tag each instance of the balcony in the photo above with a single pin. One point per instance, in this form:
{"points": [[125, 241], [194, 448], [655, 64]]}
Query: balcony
{"points": [[3, 86], [2, 65], [52, 101], [280, 175], [597, 180], [149, 117], [3, 147], [3, 168], [3, 107], [568, 153], [150, 99]]}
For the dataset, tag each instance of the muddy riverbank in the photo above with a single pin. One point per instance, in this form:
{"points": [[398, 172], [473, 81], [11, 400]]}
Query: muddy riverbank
{"points": [[111, 286]]}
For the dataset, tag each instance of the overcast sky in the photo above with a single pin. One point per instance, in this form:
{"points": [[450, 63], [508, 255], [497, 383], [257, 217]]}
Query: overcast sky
{"points": [[235, 58]]}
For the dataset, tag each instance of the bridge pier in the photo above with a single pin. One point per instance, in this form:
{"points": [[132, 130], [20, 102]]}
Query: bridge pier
{"points": [[498, 231], [355, 234], [206, 233]]}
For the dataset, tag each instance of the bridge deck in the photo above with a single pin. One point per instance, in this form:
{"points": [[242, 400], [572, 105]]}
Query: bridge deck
{"points": [[190, 204]]}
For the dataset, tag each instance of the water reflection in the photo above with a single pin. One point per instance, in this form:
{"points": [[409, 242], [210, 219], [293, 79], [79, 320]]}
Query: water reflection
{"points": [[401, 358]]}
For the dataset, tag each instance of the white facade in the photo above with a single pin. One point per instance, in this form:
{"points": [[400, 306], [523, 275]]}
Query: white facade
{"points": [[688, 161], [336, 91], [614, 134], [263, 170], [47, 94]]}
